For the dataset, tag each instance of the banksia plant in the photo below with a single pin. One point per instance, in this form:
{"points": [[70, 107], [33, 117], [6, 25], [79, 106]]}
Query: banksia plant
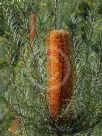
{"points": [[40, 86], [60, 73]]}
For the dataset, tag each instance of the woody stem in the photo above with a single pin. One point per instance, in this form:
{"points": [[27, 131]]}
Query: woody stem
{"points": [[55, 13]]}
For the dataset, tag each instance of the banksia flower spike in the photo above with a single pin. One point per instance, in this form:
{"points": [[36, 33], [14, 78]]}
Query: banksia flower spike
{"points": [[32, 28], [60, 71], [14, 127]]}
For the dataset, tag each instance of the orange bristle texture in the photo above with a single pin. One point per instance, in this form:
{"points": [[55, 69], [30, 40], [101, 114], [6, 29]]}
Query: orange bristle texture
{"points": [[14, 126], [60, 71]]}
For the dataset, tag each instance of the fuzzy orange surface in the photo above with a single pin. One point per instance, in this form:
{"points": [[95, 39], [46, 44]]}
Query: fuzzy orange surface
{"points": [[60, 71], [14, 126]]}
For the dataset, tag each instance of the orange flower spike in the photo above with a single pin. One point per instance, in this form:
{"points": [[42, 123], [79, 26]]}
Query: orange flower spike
{"points": [[32, 27], [14, 126], [60, 71]]}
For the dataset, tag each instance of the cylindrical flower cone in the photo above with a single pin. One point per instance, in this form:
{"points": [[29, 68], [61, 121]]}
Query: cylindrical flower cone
{"points": [[14, 127], [32, 28], [60, 71]]}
